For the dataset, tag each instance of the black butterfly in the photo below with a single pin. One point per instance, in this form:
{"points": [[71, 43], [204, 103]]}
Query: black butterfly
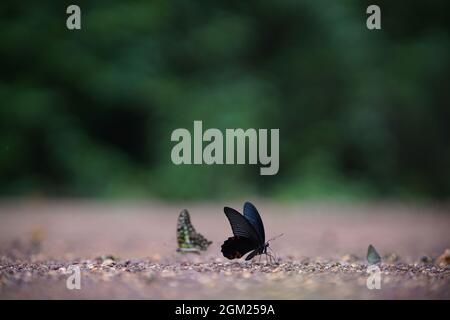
{"points": [[188, 239], [249, 234]]}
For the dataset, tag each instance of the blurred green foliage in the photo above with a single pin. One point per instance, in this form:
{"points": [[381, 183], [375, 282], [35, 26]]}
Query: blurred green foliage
{"points": [[362, 114]]}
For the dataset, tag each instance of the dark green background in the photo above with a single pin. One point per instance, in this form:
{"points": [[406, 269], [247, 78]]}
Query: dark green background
{"points": [[362, 114]]}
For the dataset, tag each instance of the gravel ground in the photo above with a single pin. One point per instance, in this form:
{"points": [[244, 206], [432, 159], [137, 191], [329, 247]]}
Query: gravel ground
{"points": [[128, 251], [231, 280]]}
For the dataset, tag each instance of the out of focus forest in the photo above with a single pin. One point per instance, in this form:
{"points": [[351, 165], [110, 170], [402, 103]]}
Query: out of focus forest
{"points": [[362, 114]]}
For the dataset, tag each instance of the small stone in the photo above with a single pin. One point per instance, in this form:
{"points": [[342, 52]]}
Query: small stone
{"points": [[108, 262], [105, 257], [156, 257], [426, 259], [391, 258], [349, 258], [168, 274]]}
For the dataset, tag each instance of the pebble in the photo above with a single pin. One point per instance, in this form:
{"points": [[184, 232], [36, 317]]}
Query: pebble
{"points": [[108, 262]]}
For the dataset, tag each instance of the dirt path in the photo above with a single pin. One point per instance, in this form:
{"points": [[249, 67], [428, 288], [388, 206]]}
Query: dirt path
{"points": [[322, 254]]}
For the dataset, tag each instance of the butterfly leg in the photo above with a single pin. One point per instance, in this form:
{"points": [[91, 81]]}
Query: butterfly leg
{"points": [[271, 257], [275, 258]]}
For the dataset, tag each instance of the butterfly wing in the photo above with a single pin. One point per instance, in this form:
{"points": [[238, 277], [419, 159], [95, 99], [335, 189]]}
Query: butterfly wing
{"points": [[200, 241], [372, 255], [252, 255], [245, 236], [235, 247], [252, 215], [241, 226], [188, 239]]}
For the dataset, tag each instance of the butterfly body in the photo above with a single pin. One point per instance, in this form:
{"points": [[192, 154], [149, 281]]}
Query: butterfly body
{"points": [[189, 240], [249, 235]]}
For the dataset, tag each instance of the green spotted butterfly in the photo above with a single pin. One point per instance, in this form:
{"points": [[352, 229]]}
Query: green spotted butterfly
{"points": [[189, 240]]}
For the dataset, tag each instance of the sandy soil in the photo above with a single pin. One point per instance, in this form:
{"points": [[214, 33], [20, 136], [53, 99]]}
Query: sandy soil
{"points": [[128, 250]]}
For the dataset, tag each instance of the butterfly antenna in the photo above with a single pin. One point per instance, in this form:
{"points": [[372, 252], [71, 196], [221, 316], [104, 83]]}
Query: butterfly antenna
{"points": [[276, 237]]}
